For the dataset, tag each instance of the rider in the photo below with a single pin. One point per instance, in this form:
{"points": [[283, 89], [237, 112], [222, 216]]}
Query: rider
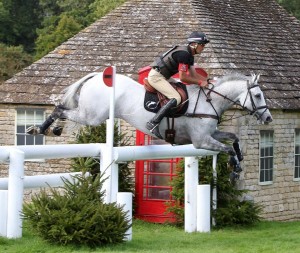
{"points": [[179, 59]]}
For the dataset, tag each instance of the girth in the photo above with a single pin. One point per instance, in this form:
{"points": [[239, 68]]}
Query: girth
{"points": [[201, 115]]}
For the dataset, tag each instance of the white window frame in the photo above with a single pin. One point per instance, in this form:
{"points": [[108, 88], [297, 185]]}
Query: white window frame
{"points": [[27, 120], [297, 155], [266, 161]]}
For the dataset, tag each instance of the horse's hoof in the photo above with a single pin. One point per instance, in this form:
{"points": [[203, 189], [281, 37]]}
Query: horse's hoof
{"points": [[57, 131], [234, 176], [33, 130], [237, 168], [240, 157]]}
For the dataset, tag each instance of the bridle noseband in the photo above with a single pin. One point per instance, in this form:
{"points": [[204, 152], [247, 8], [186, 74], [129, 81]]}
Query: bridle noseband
{"points": [[255, 108]]}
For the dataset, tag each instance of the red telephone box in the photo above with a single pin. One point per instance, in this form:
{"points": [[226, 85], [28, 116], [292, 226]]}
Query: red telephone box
{"points": [[153, 177], [152, 183]]}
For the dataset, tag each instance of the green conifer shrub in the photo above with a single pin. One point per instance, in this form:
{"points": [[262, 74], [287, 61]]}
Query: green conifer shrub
{"points": [[97, 134], [231, 209], [76, 214]]}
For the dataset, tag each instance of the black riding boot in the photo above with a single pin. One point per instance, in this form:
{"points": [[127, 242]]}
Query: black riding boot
{"points": [[153, 124]]}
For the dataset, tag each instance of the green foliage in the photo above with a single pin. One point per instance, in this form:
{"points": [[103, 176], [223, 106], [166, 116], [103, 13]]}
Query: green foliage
{"points": [[65, 18], [292, 6], [176, 207], [97, 134], [102, 7], [230, 209], [77, 214], [19, 21], [53, 35], [41, 26], [12, 60]]}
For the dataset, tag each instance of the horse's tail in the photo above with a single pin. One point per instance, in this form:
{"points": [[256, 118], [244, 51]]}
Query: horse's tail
{"points": [[70, 98]]}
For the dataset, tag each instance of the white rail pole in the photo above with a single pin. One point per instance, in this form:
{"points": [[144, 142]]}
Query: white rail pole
{"points": [[15, 194], [190, 193], [203, 208], [134, 153], [54, 151], [125, 199], [121, 154], [3, 212], [37, 181]]}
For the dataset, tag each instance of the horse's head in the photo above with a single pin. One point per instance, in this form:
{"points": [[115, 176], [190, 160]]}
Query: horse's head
{"points": [[255, 102]]}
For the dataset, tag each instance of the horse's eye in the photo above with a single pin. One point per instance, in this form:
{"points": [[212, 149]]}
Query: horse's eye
{"points": [[258, 95]]}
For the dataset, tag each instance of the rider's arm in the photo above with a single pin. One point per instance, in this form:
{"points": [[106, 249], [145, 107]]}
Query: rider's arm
{"points": [[190, 76]]}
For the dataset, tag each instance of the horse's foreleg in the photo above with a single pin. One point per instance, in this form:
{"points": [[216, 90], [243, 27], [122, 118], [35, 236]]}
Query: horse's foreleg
{"points": [[222, 136], [211, 143], [235, 152], [238, 151]]}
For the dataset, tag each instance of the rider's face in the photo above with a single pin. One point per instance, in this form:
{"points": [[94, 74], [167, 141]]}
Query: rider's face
{"points": [[199, 48]]}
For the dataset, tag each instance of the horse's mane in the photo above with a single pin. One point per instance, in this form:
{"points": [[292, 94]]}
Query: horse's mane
{"points": [[231, 77]]}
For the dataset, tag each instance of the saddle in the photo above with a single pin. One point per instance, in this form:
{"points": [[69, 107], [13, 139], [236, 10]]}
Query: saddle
{"points": [[154, 100]]}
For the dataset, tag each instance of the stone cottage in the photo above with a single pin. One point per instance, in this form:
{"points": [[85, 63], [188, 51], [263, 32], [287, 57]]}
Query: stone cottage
{"points": [[246, 36]]}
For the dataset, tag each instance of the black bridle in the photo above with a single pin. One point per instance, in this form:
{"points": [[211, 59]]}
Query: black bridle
{"points": [[254, 110]]}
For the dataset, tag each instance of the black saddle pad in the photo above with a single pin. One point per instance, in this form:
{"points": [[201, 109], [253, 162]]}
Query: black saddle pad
{"points": [[151, 103]]}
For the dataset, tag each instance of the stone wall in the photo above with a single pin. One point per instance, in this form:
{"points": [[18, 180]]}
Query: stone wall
{"points": [[281, 199], [35, 167]]}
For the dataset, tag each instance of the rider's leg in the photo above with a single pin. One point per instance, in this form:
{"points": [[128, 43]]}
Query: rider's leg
{"points": [[153, 124], [162, 85], [159, 82]]}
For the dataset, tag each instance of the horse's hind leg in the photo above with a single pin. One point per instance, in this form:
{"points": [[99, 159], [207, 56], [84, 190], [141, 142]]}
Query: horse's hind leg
{"points": [[42, 129]]}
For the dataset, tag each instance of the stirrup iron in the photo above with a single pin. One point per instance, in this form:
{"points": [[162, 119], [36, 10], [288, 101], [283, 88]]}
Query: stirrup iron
{"points": [[154, 129]]}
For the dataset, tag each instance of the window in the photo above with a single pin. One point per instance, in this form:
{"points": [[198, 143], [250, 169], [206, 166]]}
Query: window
{"points": [[266, 157], [25, 119], [297, 154]]}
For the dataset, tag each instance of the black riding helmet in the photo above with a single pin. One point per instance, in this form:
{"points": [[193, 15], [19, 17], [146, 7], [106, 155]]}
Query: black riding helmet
{"points": [[198, 37]]}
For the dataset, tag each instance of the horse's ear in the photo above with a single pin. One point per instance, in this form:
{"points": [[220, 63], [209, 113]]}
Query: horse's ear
{"points": [[255, 78]]}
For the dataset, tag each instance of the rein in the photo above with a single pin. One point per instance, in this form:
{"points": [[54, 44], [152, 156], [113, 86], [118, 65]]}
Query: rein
{"points": [[203, 115]]}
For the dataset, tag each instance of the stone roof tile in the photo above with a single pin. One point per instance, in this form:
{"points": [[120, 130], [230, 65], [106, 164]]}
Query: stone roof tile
{"points": [[246, 36]]}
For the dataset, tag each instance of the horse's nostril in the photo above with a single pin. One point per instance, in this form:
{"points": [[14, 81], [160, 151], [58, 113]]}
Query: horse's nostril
{"points": [[269, 119]]}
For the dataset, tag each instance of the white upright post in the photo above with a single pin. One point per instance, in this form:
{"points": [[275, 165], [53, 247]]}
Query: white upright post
{"points": [[125, 199], [190, 194], [108, 165], [15, 194], [3, 212], [203, 208]]}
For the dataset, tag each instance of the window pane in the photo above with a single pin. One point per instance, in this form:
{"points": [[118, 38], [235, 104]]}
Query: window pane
{"points": [[266, 156], [39, 140], [21, 129], [297, 153], [20, 140], [29, 140], [26, 118]]}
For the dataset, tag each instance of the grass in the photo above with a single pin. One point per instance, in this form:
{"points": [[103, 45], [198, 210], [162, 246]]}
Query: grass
{"points": [[265, 237]]}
